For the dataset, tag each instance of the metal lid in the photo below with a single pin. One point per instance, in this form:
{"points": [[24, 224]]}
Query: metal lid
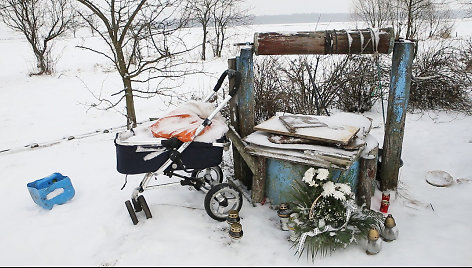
{"points": [[233, 214], [373, 234], [236, 227], [390, 221], [283, 206]]}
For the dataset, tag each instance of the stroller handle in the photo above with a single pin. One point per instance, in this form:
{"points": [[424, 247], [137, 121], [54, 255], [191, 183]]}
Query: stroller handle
{"points": [[230, 73]]}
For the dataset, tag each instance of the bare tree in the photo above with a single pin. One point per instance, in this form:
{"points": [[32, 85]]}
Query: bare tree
{"points": [[409, 18], [376, 13], [437, 20], [227, 13], [201, 13], [40, 21], [467, 4], [142, 43], [416, 13]]}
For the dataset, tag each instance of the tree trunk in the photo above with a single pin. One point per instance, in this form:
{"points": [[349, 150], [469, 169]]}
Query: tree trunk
{"points": [[42, 64], [39, 53], [204, 42], [409, 19], [130, 111], [220, 47]]}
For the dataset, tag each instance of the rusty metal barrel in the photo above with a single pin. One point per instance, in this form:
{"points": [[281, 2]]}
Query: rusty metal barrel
{"points": [[358, 41]]}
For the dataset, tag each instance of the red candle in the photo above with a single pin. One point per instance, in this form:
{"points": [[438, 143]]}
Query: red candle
{"points": [[386, 196], [384, 206]]}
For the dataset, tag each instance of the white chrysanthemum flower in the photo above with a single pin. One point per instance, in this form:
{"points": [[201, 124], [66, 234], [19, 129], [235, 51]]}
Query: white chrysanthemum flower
{"points": [[346, 189], [308, 177], [328, 189], [323, 174], [339, 195], [313, 183]]}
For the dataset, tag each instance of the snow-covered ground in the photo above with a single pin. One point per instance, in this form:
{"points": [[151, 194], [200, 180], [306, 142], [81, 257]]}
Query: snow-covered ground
{"points": [[94, 228]]}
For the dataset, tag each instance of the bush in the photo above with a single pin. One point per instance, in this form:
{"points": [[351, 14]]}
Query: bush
{"points": [[440, 80], [316, 84], [361, 84]]}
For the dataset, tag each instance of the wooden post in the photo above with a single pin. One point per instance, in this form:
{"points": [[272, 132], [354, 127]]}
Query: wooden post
{"points": [[251, 171], [246, 96], [367, 173], [258, 180], [239, 164], [400, 81], [245, 107], [361, 41]]}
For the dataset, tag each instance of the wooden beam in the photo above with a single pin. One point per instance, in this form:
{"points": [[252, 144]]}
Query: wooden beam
{"points": [[297, 157], [359, 41], [240, 167], [246, 95], [250, 160], [245, 106]]}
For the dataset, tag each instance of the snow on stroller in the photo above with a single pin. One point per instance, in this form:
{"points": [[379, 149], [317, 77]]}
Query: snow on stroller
{"points": [[165, 156]]}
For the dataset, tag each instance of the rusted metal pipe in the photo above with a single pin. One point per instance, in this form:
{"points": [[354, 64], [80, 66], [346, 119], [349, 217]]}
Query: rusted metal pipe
{"points": [[359, 41]]}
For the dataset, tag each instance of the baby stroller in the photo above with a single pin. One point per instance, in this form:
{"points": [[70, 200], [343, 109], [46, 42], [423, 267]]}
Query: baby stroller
{"points": [[199, 160]]}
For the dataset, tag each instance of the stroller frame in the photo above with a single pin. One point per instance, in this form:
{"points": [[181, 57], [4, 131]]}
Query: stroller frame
{"points": [[220, 197]]}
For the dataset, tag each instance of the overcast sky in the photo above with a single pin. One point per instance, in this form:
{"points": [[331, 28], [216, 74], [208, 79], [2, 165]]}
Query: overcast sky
{"points": [[277, 7]]}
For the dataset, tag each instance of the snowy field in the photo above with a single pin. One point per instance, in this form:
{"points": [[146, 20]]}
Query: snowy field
{"points": [[94, 228]]}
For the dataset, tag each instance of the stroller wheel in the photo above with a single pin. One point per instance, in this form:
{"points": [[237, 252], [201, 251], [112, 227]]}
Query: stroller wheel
{"points": [[131, 212], [221, 199], [211, 176], [144, 206], [136, 205]]}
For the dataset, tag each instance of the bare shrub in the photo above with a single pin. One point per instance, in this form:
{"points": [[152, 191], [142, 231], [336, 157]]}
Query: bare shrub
{"points": [[270, 95], [316, 84], [361, 83], [440, 80]]}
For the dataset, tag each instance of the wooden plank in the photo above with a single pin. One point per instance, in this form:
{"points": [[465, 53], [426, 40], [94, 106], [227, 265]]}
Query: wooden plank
{"points": [[293, 122], [261, 138], [358, 41], [295, 157], [334, 134], [355, 144], [250, 160], [299, 157]]}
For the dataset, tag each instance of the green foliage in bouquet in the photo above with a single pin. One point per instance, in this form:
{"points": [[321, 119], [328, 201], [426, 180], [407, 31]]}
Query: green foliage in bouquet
{"points": [[326, 216]]}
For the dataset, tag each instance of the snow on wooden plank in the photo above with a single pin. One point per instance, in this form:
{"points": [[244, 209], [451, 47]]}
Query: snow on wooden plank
{"points": [[355, 144], [288, 155], [309, 154], [335, 134], [293, 122], [340, 128], [262, 138]]}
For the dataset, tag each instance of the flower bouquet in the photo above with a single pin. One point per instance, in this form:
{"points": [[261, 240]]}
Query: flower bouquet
{"points": [[327, 217]]}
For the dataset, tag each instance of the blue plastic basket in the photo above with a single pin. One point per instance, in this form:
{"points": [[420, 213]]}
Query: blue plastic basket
{"points": [[41, 188]]}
